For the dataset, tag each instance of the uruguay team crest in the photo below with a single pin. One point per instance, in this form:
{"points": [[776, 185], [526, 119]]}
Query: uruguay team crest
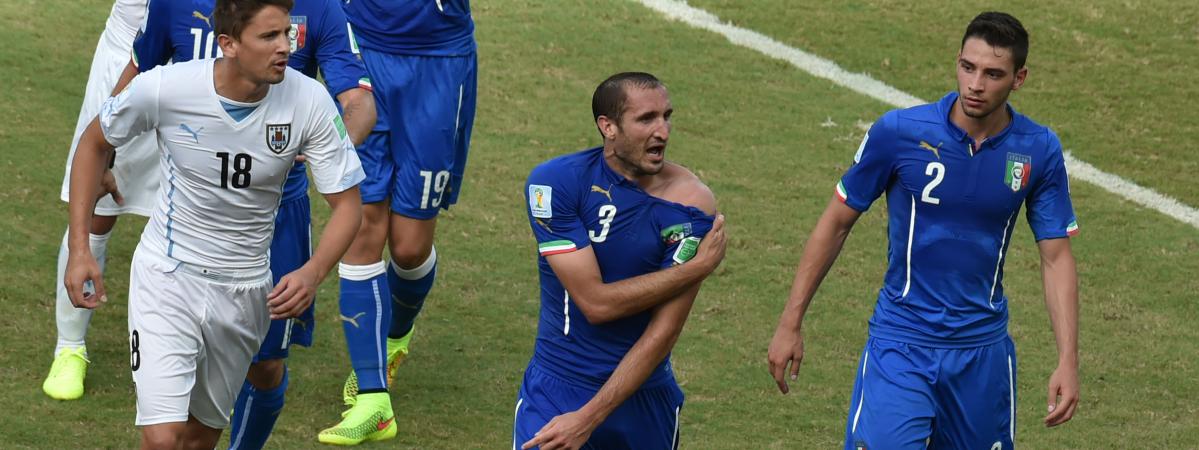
{"points": [[298, 32], [1018, 171], [277, 137]]}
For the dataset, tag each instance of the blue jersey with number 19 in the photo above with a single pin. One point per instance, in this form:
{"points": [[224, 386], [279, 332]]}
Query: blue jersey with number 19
{"points": [[952, 208], [575, 201], [178, 31]]}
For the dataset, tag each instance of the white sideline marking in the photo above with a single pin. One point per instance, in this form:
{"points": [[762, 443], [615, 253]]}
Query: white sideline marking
{"points": [[864, 84]]}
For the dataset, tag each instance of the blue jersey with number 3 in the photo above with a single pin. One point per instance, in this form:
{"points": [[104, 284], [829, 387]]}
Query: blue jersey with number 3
{"points": [[952, 209], [181, 30], [575, 201]]}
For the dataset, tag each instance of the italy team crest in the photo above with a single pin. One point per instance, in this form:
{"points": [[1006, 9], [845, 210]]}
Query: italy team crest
{"points": [[277, 137], [1018, 171], [298, 32]]}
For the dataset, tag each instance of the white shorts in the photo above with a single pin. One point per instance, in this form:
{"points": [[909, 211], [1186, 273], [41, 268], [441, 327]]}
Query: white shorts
{"points": [[136, 169], [192, 334]]}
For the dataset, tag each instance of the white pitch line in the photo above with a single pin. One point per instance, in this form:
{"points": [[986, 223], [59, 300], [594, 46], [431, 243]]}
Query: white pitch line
{"points": [[880, 91]]}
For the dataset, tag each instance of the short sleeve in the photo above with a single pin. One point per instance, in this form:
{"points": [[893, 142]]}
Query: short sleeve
{"points": [[133, 111], [552, 199], [341, 69], [331, 155], [1050, 211], [681, 230], [872, 166], [152, 47]]}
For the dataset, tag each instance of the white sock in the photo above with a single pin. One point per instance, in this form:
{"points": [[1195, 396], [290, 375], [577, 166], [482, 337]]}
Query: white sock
{"points": [[73, 322]]}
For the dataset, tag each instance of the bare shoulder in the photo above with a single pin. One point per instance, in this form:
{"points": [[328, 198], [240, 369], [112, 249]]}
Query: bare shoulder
{"points": [[684, 188]]}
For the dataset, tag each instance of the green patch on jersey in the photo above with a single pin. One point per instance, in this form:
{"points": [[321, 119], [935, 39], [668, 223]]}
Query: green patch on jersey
{"points": [[687, 249], [675, 233], [341, 126]]}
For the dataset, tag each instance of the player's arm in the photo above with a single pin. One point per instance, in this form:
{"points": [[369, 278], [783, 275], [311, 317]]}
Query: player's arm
{"points": [[819, 253], [1052, 220], [122, 117], [127, 75], [344, 73], [604, 302], [87, 170], [295, 291], [358, 112], [336, 173], [864, 182], [572, 429], [1060, 278]]}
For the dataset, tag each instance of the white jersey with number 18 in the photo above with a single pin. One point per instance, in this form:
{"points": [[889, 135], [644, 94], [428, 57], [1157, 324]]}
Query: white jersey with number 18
{"points": [[222, 178]]}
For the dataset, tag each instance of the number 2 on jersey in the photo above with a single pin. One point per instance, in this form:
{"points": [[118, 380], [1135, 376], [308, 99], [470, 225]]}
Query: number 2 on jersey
{"points": [[937, 171], [606, 214]]}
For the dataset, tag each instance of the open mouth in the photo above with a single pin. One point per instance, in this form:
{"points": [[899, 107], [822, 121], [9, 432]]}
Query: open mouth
{"points": [[280, 65], [655, 152]]}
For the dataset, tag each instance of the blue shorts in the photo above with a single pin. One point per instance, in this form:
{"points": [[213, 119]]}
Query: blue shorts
{"points": [[290, 248], [913, 397], [648, 419], [416, 154]]}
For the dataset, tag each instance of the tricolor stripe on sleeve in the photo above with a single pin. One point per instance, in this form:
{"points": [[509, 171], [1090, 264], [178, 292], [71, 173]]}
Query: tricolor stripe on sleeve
{"points": [[1072, 228], [365, 83], [555, 247], [841, 192]]}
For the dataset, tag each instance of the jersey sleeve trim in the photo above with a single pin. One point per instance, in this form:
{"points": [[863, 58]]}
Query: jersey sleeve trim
{"points": [[556, 247]]}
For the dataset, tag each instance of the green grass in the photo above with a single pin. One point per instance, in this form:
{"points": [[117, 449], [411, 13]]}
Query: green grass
{"points": [[1112, 78]]}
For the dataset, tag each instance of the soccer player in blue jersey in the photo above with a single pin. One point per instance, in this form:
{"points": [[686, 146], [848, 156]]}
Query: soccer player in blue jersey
{"points": [[939, 369], [625, 240], [319, 39], [421, 57]]}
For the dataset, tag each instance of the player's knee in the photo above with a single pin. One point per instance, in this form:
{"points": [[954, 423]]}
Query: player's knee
{"points": [[158, 438], [266, 374], [410, 255]]}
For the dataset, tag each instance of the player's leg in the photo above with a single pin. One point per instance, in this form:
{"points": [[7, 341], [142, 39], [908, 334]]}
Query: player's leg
{"points": [[431, 138], [365, 311], [236, 322], [976, 398], [67, 372], [165, 342], [262, 395], [892, 404]]}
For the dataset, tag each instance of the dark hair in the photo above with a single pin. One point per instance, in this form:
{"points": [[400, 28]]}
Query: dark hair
{"points": [[610, 96], [1000, 30], [230, 17]]}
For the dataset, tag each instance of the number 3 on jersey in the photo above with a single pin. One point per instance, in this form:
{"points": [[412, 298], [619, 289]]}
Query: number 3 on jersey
{"points": [[606, 214]]}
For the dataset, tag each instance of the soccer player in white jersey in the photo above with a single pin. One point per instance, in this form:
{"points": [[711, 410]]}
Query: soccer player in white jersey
{"points": [[65, 380], [200, 295]]}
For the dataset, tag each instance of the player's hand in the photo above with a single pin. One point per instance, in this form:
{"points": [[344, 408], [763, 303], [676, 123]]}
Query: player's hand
{"points": [[786, 348], [1063, 395], [108, 185], [293, 294], [568, 431], [83, 281], [711, 249]]}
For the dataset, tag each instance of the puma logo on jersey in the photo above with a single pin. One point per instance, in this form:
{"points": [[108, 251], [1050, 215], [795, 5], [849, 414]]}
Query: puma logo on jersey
{"points": [[352, 320], [606, 192], [936, 150], [195, 134], [197, 15]]}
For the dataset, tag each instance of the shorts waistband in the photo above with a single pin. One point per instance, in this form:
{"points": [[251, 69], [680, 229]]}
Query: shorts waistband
{"points": [[225, 276]]}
